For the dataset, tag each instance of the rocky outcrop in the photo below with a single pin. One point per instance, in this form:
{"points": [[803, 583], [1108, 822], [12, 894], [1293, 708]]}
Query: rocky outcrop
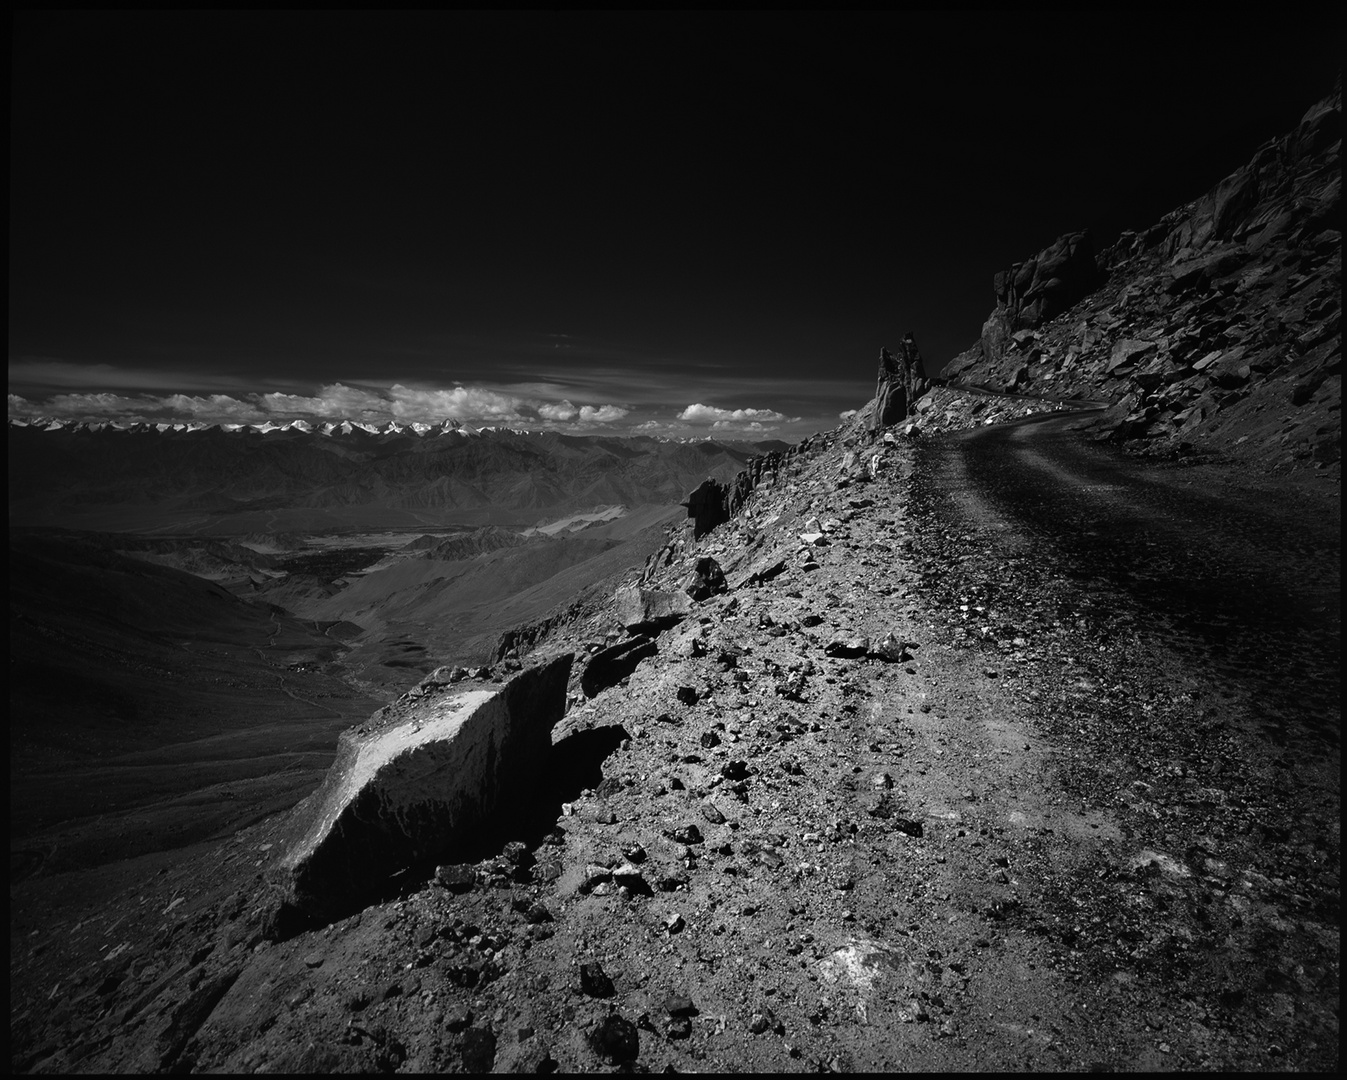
{"points": [[1029, 294], [410, 789], [1032, 292], [712, 503], [1215, 330], [901, 382]]}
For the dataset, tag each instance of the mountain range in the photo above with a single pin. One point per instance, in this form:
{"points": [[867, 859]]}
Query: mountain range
{"points": [[288, 479]]}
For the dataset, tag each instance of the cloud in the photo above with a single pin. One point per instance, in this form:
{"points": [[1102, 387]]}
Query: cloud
{"points": [[603, 414], [469, 404], [739, 427], [560, 410], [335, 401], [753, 419], [215, 409]]}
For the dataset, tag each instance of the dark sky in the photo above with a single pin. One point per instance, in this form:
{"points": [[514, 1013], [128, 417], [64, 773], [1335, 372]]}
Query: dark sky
{"points": [[589, 221]]}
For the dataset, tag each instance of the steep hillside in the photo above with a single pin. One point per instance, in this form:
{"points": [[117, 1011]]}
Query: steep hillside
{"points": [[1216, 330], [872, 799]]}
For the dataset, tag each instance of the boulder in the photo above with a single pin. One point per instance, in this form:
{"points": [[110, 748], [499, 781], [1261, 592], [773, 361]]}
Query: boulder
{"points": [[648, 611], [705, 580], [412, 790]]}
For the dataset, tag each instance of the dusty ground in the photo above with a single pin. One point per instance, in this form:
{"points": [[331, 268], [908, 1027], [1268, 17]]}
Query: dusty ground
{"points": [[775, 856]]}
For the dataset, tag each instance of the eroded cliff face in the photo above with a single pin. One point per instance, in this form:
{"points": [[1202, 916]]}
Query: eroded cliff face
{"points": [[1216, 330]]}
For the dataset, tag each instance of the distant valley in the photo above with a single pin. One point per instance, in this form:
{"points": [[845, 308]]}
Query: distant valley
{"points": [[194, 614], [217, 482]]}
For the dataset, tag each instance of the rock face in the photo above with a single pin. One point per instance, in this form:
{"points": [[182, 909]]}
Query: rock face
{"points": [[610, 666], [901, 382], [1216, 329], [410, 791], [646, 611], [1032, 292]]}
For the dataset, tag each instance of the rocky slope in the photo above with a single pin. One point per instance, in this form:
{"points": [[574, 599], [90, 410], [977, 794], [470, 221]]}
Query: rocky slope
{"points": [[813, 825], [1216, 330]]}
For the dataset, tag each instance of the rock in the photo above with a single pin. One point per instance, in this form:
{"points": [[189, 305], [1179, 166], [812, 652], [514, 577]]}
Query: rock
{"points": [[457, 1017], [595, 982], [847, 647], [1129, 352], [616, 1040], [686, 695], [412, 789], [1041, 288], [648, 611], [712, 813], [892, 650], [631, 879], [478, 1049], [706, 580], [595, 875], [687, 834], [706, 507], [761, 570], [679, 1005], [610, 666], [902, 381]]}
